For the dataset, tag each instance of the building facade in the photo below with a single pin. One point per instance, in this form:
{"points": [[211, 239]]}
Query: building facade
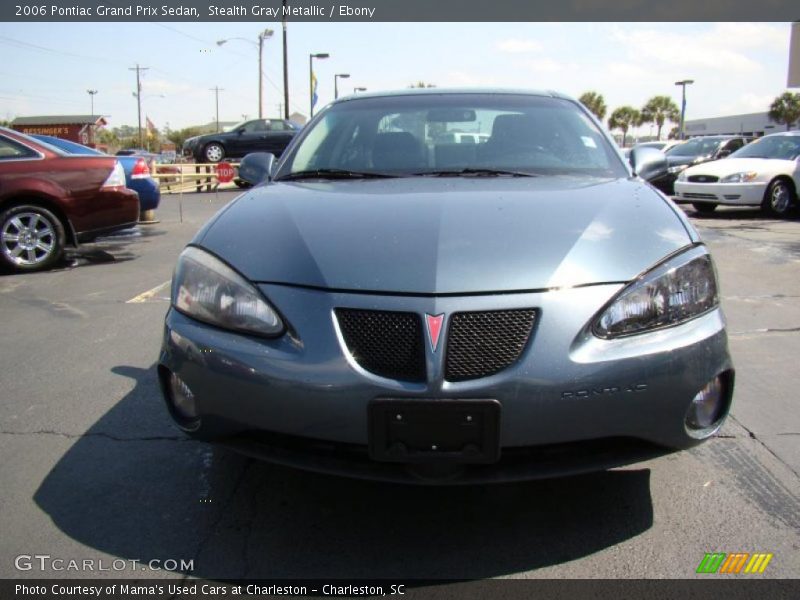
{"points": [[76, 128], [751, 125]]}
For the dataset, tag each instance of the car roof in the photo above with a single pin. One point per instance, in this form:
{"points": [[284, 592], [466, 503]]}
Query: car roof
{"points": [[450, 91], [793, 133]]}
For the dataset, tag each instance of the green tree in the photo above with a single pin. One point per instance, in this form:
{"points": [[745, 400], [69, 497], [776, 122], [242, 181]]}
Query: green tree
{"points": [[595, 103], [623, 118], [178, 136], [109, 138], [422, 84], [785, 109], [658, 110]]}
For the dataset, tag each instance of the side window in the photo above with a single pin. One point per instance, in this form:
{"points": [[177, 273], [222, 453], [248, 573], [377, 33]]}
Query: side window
{"points": [[277, 125], [735, 145], [255, 127], [10, 149]]}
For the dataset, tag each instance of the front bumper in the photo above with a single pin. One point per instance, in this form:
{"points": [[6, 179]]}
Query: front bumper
{"points": [[744, 194], [568, 390]]}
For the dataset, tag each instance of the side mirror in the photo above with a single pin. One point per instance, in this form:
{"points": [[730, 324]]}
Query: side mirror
{"points": [[257, 167], [648, 163], [240, 131]]}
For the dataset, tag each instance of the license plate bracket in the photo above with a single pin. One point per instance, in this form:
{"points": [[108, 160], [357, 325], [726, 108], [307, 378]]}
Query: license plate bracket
{"points": [[443, 430]]}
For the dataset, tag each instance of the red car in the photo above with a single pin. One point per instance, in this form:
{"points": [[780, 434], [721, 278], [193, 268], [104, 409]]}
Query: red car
{"points": [[50, 199]]}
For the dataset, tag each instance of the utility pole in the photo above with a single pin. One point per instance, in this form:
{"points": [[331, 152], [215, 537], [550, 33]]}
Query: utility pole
{"points": [[216, 89], [285, 68], [138, 70], [280, 108]]}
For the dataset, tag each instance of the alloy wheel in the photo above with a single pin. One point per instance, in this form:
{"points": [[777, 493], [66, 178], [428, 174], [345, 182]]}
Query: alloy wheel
{"points": [[28, 238]]}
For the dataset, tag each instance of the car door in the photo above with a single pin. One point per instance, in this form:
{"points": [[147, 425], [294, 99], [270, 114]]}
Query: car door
{"points": [[248, 138]]}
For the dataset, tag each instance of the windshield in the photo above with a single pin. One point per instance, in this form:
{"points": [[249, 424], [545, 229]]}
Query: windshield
{"points": [[695, 147], [783, 147], [459, 134]]}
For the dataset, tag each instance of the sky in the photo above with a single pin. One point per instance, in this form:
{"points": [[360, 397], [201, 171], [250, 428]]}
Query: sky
{"points": [[47, 67]]}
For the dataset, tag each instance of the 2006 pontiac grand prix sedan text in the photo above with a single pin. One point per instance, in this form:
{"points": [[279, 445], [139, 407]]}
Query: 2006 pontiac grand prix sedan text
{"points": [[395, 304]]}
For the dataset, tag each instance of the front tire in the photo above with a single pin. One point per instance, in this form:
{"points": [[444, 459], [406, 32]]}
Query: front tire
{"points": [[31, 238], [779, 199], [213, 152], [705, 208]]}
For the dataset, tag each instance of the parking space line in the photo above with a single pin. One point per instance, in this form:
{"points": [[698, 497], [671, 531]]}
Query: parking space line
{"points": [[149, 294]]}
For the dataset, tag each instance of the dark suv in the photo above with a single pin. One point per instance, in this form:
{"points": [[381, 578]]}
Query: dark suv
{"points": [[259, 135], [693, 152]]}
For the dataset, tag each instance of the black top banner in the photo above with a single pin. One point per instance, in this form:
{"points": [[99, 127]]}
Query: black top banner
{"points": [[397, 10]]}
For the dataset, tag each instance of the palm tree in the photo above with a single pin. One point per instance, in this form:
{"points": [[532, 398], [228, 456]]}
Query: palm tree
{"points": [[623, 118], [785, 109], [659, 109], [595, 103]]}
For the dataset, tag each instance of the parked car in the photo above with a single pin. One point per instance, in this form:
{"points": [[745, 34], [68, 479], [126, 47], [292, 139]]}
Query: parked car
{"points": [[662, 145], [764, 173], [511, 314], [265, 135], [50, 199], [695, 151], [137, 171]]}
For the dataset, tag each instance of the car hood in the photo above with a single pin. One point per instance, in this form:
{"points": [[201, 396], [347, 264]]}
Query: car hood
{"points": [[446, 235], [729, 166]]}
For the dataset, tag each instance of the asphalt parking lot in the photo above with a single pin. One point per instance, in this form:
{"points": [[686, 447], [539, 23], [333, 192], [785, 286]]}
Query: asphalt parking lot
{"points": [[93, 468]]}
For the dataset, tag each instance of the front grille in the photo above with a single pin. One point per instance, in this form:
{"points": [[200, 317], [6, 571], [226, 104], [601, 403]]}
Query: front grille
{"points": [[386, 343], [699, 196], [703, 178], [483, 343]]}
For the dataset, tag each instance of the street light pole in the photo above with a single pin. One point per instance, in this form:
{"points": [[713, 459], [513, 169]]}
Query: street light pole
{"points": [[683, 85], [311, 57], [91, 95], [336, 83], [266, 34]]}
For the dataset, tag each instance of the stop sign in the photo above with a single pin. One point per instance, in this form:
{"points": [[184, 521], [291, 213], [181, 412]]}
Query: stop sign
{"points": [[225, 172]]}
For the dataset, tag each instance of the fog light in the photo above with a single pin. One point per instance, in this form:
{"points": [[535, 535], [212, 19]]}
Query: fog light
{"points": [[183, 402], [707, 407]]}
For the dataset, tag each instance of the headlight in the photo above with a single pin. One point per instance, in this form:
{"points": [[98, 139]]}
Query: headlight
{"points": [[739, 177], [676, 169], [208, 290], [679, 289], [682, 175]]}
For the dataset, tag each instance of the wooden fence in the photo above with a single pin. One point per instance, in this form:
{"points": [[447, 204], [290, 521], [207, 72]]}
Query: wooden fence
{"points": [[178, 178]]}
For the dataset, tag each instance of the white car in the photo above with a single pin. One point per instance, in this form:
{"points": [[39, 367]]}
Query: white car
{"points": [[765, 173]]}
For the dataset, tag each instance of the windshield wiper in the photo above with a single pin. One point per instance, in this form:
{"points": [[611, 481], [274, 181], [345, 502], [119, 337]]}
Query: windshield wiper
{"points": [[474, 172], [334, 174]]}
